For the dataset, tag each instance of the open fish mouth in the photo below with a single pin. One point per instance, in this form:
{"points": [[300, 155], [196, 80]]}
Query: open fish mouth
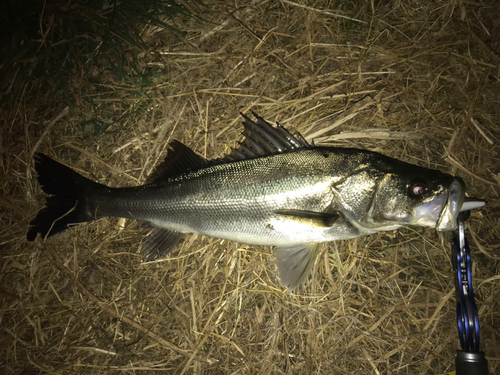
{"points": [[452, 207], [443, 211]]}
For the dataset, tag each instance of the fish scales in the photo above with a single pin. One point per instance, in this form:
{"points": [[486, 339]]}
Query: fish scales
{"points": [[237, 200], [274, 189]]}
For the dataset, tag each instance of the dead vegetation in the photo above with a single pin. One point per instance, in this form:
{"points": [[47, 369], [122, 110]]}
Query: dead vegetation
{"points": [[418, 81]]}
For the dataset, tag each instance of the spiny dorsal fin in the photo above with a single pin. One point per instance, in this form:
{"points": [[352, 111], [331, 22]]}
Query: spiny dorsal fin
{"points": [[262, 139], [180, 159]]}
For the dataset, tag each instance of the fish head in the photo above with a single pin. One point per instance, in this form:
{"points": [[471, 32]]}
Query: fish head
{"points": [[426, 199]]}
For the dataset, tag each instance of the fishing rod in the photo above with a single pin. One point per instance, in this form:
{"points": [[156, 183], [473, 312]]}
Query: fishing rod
{"points": [[470, 360]]}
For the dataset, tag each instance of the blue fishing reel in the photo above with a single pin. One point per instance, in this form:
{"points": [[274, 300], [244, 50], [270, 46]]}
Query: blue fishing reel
{"points": [[469, 360]]}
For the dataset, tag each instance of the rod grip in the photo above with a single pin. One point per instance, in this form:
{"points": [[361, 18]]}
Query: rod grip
{"points": [[467, 363]]}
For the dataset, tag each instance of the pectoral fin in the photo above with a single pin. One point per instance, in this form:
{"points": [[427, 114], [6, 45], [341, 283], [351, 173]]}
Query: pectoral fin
{"points": [[295, 263], [317, 219]]}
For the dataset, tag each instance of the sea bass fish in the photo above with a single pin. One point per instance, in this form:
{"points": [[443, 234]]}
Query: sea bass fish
{"points": [[273, 189]]}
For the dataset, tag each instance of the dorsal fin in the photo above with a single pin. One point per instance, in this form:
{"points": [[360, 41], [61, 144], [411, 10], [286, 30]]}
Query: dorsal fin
{"points": [[180, 159], [262, 139]]}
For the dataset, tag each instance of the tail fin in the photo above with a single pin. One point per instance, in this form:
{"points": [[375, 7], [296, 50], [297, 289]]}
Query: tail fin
{"points": [[66, 203]]}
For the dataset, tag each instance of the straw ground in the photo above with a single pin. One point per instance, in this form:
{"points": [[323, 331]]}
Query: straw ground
{"points": [[418, 81]]}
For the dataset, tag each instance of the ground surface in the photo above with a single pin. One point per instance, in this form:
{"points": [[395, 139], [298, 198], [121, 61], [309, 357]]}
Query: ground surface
{"points": [[418, 81]]}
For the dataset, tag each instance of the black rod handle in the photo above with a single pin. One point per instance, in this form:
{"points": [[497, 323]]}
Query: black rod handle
{"points": [[467, 363]]}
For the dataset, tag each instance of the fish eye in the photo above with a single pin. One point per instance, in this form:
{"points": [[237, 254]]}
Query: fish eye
{"points": [[417, 188]]}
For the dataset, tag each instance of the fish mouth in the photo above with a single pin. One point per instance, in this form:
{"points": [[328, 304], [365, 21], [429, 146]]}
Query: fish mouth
{"points": [[443, 211], [453, 203]]}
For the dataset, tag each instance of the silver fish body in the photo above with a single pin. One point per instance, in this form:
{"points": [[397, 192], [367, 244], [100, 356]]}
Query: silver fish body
{"points": [[275, 189], [266, 201]]}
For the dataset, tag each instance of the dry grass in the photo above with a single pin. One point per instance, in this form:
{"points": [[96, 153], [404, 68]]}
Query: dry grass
{"points": [[418, 81]]}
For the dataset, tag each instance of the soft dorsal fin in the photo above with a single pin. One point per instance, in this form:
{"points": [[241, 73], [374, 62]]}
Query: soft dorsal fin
{"points": [[262, 139], [180, 159]]}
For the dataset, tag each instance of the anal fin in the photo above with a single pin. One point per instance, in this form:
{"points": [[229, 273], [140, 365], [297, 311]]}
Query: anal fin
{"points": [[295, 263], [158, 242]]}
